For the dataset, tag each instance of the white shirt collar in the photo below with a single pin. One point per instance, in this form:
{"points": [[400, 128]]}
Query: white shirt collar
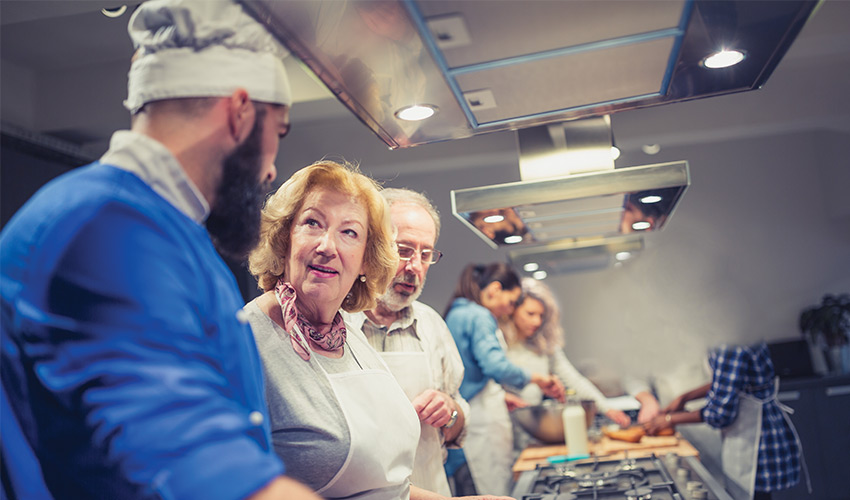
{"points": [[156, 166]]}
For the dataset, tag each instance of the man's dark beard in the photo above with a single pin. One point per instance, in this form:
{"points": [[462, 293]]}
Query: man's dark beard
{"points": [[234, 221]]}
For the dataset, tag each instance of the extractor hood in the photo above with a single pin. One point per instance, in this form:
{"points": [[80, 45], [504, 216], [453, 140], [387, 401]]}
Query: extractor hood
{"points": [[564, 258], [579, 207], [570, 192], [490, 65]]}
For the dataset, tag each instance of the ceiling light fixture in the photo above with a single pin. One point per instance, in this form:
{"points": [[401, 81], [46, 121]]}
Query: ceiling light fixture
{"points": [[416, 112], [723, 59], [492, 219], [510, 240], [650, 199], [615, 152], [530, 267], [114, 12], [651, 149], [641, 225], [540, 275], [621, 256]]}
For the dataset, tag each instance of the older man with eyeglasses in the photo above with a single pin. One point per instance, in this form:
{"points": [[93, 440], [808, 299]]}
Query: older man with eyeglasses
{"points": [[415, 341]]}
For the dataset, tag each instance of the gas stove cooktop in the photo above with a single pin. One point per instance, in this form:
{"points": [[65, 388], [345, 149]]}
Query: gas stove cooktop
{"points": [[646, 478]]}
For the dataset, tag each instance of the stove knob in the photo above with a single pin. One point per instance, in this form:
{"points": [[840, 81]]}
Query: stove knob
{"points": [[699, 494], [694, 485]]}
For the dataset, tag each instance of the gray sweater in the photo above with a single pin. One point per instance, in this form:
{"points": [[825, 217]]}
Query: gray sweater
{"points": [[308, 428]]}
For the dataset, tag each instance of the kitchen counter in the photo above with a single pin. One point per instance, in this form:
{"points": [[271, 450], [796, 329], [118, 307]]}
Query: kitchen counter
{"points": [[608, 448]]}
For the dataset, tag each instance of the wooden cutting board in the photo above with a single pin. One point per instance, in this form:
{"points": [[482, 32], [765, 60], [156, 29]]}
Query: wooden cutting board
{"points": [[606, 446], [608, 449]]}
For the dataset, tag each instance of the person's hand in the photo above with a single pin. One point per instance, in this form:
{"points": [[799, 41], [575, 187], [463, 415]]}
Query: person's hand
{"points": [[550, 385], [619, 417], [658, 424], [434, 407], [513, 401], [483, 497], [649, 409], [557, 390], [417, 493]]}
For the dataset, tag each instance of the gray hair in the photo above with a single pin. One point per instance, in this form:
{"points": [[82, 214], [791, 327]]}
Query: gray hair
{"points": [[403, 195]]}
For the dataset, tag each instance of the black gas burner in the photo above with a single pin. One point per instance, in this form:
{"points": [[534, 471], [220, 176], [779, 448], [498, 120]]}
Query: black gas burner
{"points": [[643, 478], [639, 479], [628, 464], [581, 481], [642, 493]]}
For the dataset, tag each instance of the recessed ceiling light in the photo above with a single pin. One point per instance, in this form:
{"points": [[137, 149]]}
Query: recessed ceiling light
{"points": [[416, 112], [641, 225], [530, 267], [114, 12], [492, 219], [510, 240], [650, 199], [540, 275], [623, 255], [651, 149], [723, 59], [615, 152]]}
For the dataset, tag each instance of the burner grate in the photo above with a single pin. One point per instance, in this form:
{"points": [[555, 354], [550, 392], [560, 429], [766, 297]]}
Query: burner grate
{"points": [[639, 479]]}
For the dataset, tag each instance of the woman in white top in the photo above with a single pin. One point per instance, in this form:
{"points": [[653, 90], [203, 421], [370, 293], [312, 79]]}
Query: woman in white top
{"points": [[339, 420], [535, 341]]}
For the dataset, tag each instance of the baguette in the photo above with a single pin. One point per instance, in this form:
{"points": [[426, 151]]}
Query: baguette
{"points": [[633, 434]]}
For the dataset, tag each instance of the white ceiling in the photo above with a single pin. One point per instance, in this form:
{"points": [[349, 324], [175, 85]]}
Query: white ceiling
{"points": [[64, 66]]}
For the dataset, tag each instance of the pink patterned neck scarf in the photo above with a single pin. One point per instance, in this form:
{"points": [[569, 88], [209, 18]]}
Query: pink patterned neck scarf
{"points": [[332, 340]]}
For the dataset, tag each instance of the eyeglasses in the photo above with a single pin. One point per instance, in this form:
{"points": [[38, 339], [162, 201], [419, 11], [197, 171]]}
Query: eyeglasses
{"points": [[427, 256]]}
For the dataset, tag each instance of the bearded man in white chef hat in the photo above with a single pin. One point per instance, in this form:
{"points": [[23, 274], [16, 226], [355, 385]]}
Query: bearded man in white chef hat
{"points": [[127, 369]]}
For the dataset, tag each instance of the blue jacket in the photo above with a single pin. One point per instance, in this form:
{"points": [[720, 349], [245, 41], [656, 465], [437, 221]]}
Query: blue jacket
{"points": [[474, 330], [126, 373]]}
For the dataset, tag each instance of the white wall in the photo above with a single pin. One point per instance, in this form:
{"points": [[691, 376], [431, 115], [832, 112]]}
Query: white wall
{"points": [[752, 243]]}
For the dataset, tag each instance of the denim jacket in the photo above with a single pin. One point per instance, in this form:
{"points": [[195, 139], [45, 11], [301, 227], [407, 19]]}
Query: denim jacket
{"points": [[476, 334]]}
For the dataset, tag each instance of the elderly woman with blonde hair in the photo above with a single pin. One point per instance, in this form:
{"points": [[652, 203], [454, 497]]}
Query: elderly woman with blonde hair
{"points": [[535, 341], [339, 420]]}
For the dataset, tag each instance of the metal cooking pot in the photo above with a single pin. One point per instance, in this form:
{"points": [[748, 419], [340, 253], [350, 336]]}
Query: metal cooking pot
{"points": [[543, 421]]}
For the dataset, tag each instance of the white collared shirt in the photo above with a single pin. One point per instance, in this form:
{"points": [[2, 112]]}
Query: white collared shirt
{"points": [[420, 328], [156, 166]]}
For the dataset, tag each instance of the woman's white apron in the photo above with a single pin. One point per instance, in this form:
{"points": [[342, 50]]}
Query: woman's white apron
{"points": [[414, 376], [489, 442], [384, 432]]}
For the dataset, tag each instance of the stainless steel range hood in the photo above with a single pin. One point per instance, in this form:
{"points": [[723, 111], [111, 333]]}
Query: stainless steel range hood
{"points": [[552, 204], [490, 65], [498, 65], [581, 207], [565, 257]]}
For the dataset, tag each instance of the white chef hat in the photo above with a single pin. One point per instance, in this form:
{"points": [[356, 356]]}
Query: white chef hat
{"points": [[202, 48]]}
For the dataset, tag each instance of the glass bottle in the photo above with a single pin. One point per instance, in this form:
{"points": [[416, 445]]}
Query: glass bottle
{"points": [[575, 426]]}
